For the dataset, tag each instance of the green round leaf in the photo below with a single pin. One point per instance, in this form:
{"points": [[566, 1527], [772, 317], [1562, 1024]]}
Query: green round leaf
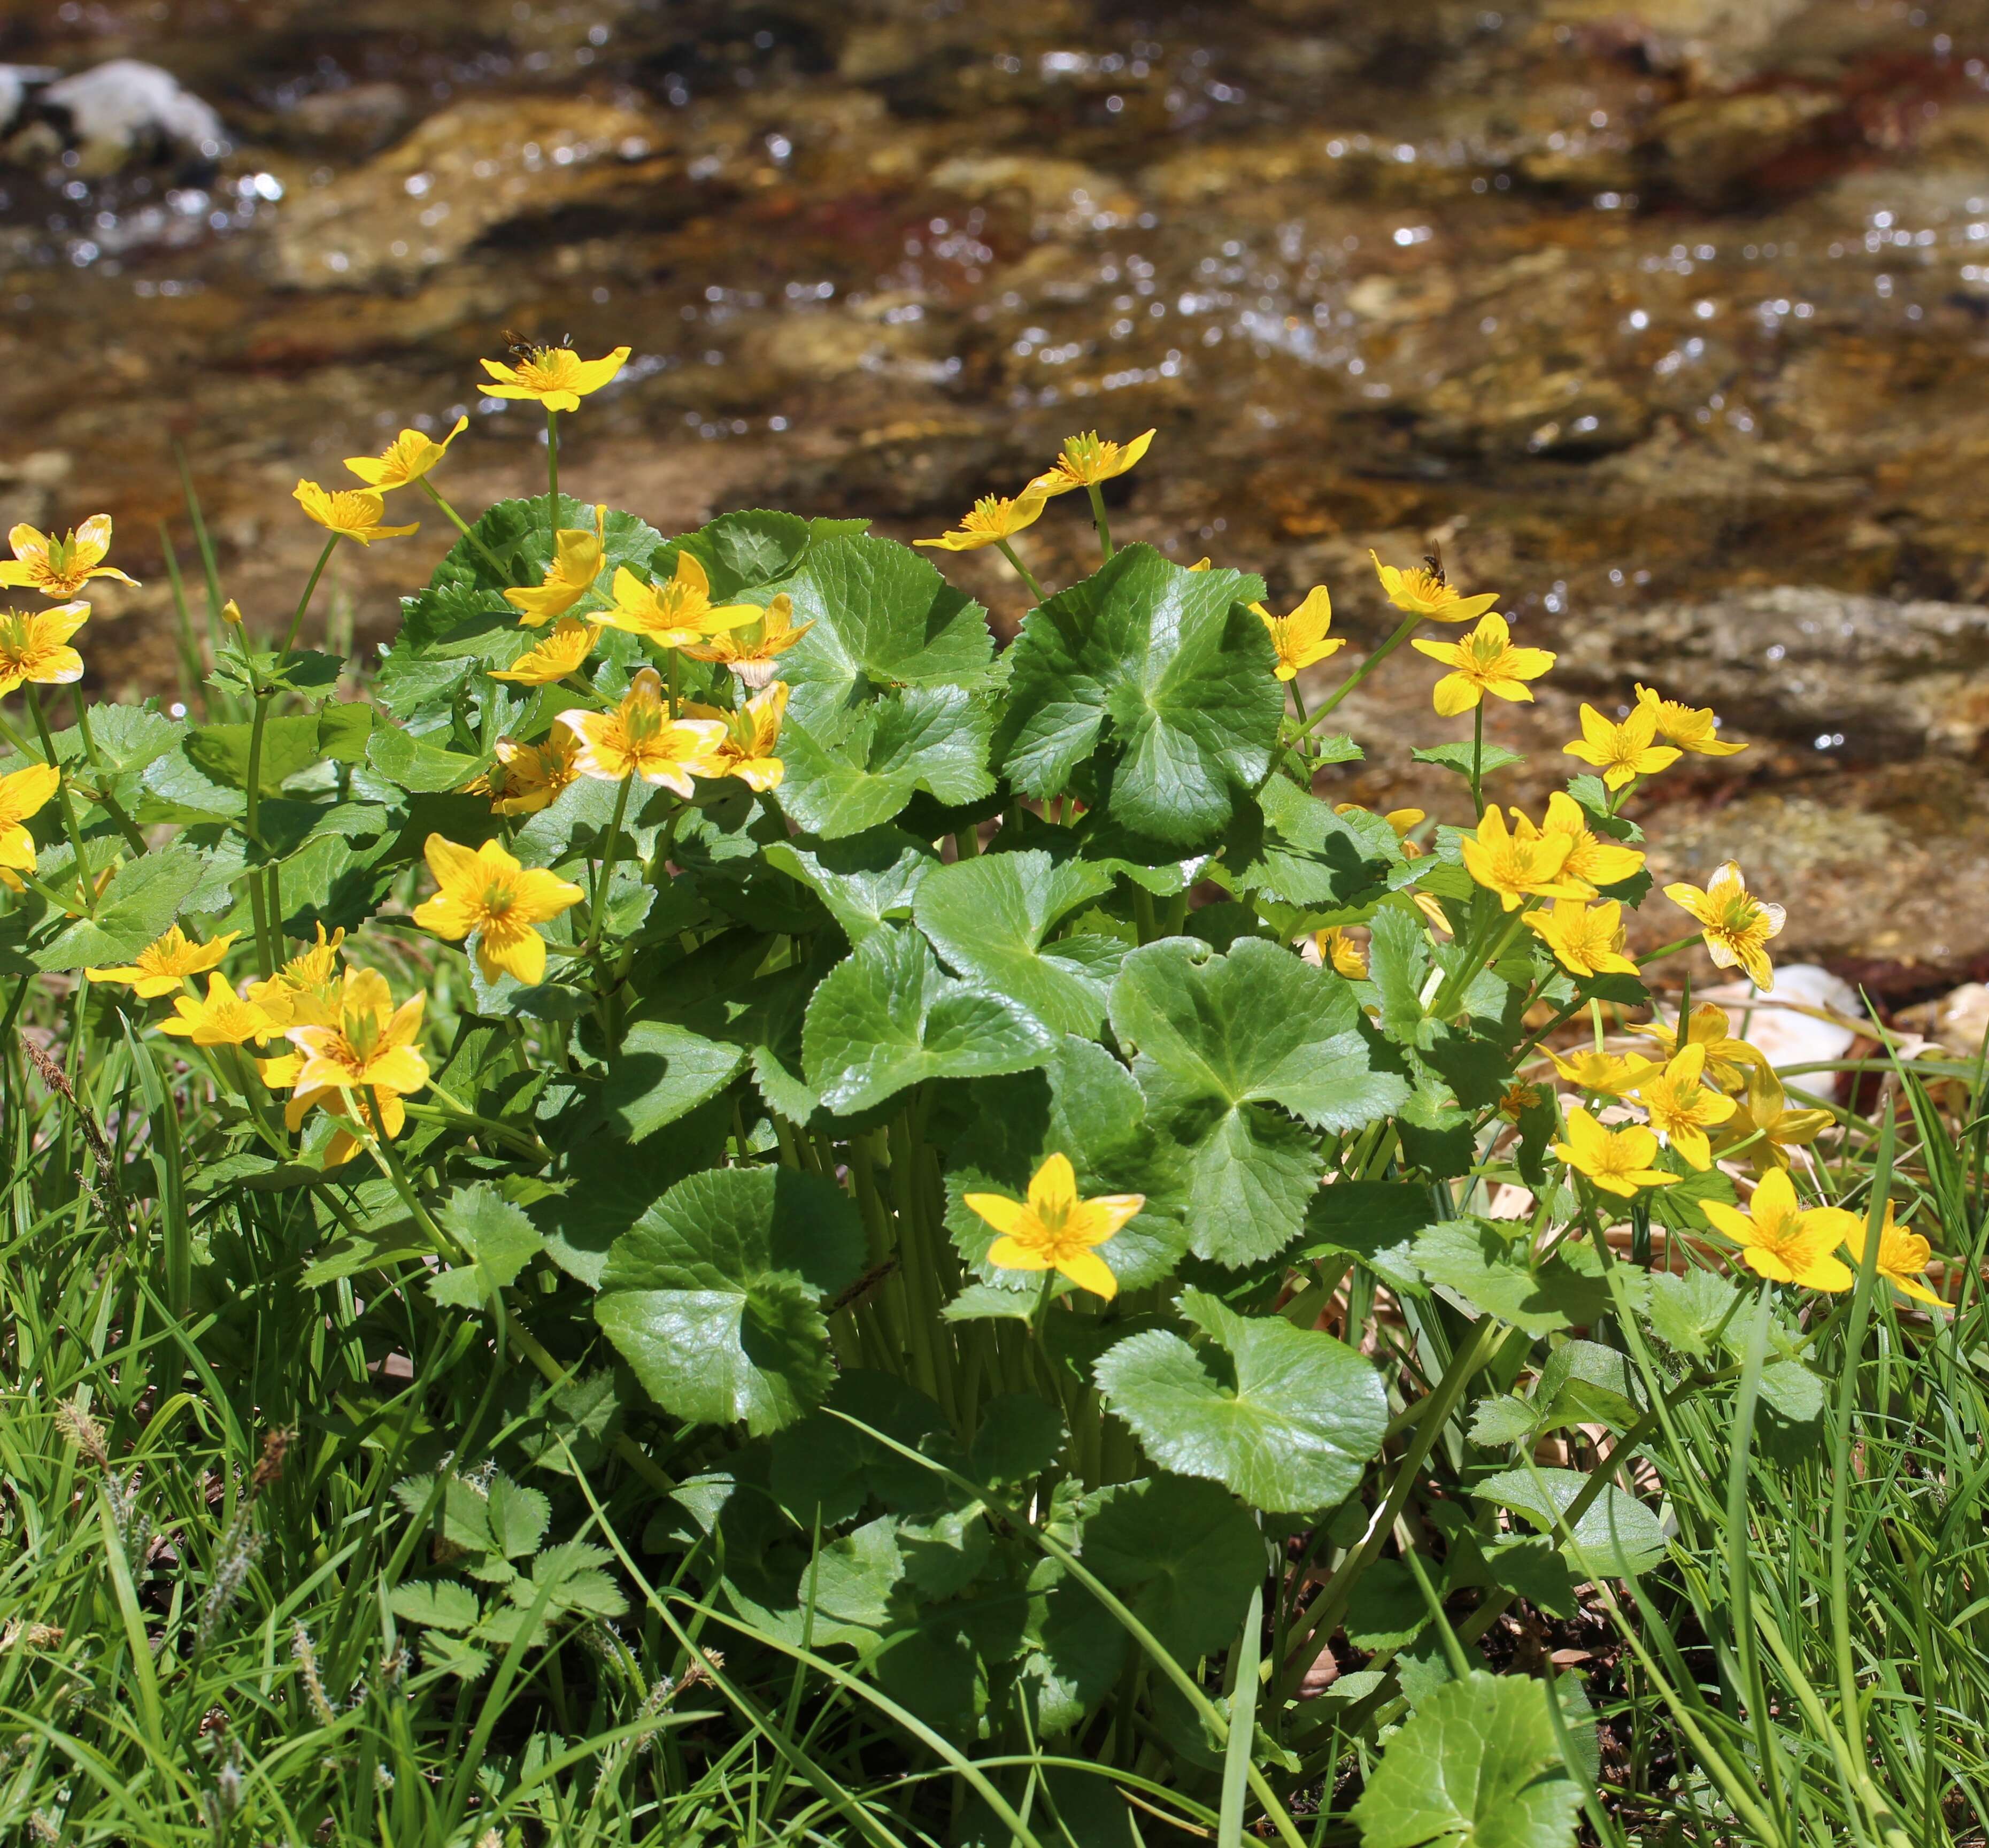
{"points": [[1291, 1428], [713, 1296]]}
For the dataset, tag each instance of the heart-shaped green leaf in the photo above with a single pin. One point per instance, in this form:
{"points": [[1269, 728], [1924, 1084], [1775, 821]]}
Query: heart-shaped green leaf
{"points": [[713, 1296], [1288, 1425], [1166, 667], [890, 1016]]}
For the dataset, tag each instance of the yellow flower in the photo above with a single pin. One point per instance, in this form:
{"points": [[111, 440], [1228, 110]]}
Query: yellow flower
{"points": [[1624, 752], [162, 965], [1432, 911], [531, 775], [1300, 639], [35, 646], [367, 1045], [994, 518], [1428, 592], [23, 793], [641, 738], [676, 613], [1725, 1057], [486, 893], [304, 991], [1332, 948], [1600, 861], [577, 558], [1683, 1108], [1766, 1124], [1902, 1255], [1692, 728], [223, 1018], [750, 650], [1777, 1240], [60, 568], [1516, 1099], [352, 513], [750, 735], [1056, 1230], [557, 377], [1401, 820], [1520, 865], [562, 652], [1611, 1074], [1087, 460], [1484, 661], [1737, 926], [231, 613], [1587, 940], [407, 458], [1616, 1161]]}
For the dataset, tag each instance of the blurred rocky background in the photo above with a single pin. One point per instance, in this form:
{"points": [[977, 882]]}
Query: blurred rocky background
{"points": [[1666, 318]]}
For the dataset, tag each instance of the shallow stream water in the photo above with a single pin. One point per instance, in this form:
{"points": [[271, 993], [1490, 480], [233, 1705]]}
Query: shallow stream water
{"points": [[1667, 319]]}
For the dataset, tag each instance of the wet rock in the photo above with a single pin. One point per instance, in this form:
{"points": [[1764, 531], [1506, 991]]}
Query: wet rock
{"points": [[1065, 196], [459, 175], [1722, 38], [354, 121], [112, 114], [1529, 402], [1863, 676], [1710, 146]]}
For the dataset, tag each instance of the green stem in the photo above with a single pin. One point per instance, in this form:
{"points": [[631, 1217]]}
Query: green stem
{"points": [[1367, 667], [1023, 571], [1477, 759], [601, 890], [311, 589], [456, 520], [62, 798], [552, 477], [1098, 518], [1669, 949]]}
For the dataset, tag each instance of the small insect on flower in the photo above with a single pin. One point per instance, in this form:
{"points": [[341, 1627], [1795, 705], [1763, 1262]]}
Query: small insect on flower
{"points": [[1608, 1074], [1902, 1256], [34, 646], [750, 735], [1736, 925], [1522, 863], [1618, 1162], [1428, 592], [1586, 939], [164, 963], [676, 613], [407, 458], [1600, 861], [486, 893], [60, 568], [565, 651], [994, 518], [1778, 1239], [23, 795], [1086, 460], [556, 377], [526, 778], [576, 561], [1691, 728], [1682, 1107], [642, 737], [752, 650], [365, 1049], [1054, 1229], [1484, 661], [352, 513], [222, 1018], [1624, 752], [1300, 639]]}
